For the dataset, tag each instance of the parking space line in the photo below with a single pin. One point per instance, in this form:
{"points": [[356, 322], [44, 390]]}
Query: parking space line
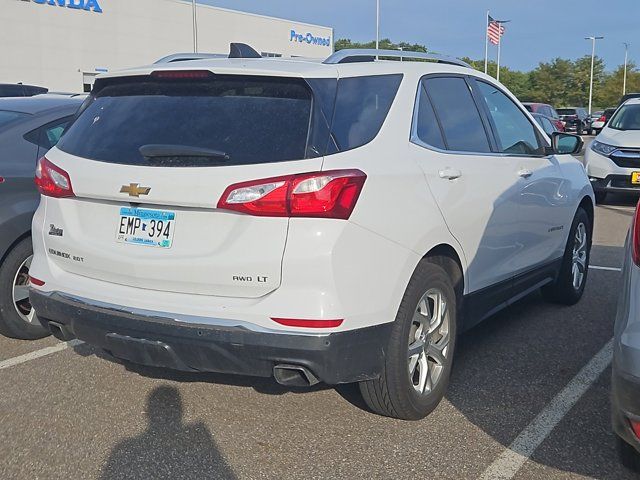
{"points": [[609, 269], [513, 458], [27, 357]]}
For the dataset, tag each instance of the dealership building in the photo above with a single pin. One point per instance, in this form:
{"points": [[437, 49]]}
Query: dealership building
{"points": [[64, 44]]}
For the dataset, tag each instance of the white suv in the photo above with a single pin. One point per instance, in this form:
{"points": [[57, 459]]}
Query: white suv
{"points": [[613, 159], [337, 222]]}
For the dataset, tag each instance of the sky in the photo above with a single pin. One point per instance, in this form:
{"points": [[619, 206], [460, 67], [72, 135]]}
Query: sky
{"points": [[539, 31]]}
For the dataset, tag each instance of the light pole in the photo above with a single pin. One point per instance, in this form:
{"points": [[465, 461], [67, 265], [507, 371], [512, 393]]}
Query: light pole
{"points": [[593, 54], [624, 78], [377, 26], [195, 25]]}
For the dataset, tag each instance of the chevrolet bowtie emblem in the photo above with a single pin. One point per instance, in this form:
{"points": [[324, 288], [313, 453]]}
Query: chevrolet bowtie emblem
{"points": [[135, 190]]}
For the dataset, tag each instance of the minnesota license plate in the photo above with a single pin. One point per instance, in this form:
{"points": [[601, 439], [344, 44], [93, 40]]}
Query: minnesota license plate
{"points": [[635, 178], [141, 226]]}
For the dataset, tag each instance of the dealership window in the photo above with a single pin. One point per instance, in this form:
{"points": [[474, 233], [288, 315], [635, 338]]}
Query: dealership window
{"points": [[270, 54]]}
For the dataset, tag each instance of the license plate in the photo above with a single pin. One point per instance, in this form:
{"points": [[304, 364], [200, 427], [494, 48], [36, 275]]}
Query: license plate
{"points": [[141, 226], [635, 178]]}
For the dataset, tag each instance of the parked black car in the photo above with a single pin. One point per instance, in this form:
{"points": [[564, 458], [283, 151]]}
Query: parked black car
{"points": [[28, 128], [576, 119], [20, 90]]}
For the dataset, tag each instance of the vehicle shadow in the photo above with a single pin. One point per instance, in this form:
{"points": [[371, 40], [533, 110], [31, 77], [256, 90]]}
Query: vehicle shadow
{"points": [[168, 448]]}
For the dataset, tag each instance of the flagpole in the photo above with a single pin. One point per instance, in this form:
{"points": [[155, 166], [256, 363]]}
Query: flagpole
{"points": [[486, 44], [499, 44]]}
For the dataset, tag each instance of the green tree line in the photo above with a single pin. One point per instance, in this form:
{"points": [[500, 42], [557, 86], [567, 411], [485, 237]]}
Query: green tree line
{"points": [[560, 82]]}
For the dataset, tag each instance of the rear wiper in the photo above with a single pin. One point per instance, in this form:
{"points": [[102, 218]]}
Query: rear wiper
{"points": [[163, 151]]}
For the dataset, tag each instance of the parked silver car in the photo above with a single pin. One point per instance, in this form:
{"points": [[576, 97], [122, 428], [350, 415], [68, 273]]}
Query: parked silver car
{"points": [[29, 126], [625, 399]]}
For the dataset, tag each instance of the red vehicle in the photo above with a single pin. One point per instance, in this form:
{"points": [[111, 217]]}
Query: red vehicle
{"points": [[546, 110]]}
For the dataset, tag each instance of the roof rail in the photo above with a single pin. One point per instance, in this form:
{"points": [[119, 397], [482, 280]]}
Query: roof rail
{"points": [[183, 57], [352, 55], [236, 50]]}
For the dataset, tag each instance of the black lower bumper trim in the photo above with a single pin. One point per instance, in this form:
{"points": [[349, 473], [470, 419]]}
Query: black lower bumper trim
{"points": [[342, 357]]}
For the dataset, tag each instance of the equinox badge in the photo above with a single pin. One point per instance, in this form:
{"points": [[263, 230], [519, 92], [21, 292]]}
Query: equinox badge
{"points": [[135, 190]]}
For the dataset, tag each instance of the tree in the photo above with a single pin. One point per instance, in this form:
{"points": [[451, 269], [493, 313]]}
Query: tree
{"points": [[385, 43], [560, 82], [609, 92]]}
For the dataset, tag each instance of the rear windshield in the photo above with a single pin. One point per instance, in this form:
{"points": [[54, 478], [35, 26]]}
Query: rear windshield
{"points": [[566, 111], [235, 120], [7, 117], [627, 118], [249, 120]]}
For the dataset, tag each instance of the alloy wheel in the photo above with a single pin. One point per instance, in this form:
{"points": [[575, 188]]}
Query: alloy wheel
{"points": [[579, 256], [428, 341], [20, 292]]}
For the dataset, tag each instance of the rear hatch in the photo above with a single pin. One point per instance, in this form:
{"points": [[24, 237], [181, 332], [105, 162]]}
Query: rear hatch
{"points": [[148, 160]]}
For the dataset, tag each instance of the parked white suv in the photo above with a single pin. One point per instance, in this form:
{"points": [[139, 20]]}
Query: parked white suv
{"points": [[613, 159], [338, 222]]}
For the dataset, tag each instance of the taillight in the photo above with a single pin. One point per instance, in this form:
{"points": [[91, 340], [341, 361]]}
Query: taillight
{"points": [[635, 236], [36, 281], [635, 426], [331, 194], [52, 181], [602, 119], [295, 322]]}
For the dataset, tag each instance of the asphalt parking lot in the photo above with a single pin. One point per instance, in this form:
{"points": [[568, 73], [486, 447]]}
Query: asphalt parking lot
{"points": [[528, 399]]}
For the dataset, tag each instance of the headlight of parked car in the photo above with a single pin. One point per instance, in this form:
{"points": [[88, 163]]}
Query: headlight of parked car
{"points": [[602, 148]]}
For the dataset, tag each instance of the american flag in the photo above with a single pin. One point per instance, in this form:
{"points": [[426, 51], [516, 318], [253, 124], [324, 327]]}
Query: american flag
{"points": [[494, 31]]}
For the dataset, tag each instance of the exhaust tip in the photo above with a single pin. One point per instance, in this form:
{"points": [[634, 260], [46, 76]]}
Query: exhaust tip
{"points": [[59, 331], [294, 376]]}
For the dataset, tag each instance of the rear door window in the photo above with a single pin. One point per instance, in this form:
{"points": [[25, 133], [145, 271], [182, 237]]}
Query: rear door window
{"points": [[514, 132], [460, 120], [244, 119], [427, 126]]}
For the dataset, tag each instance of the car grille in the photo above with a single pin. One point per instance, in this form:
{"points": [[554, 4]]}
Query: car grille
{"points": [[627, 158]]}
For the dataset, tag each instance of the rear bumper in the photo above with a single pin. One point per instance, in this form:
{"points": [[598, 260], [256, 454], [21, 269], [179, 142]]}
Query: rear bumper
{"points": [[158, 340], [625, 400]]}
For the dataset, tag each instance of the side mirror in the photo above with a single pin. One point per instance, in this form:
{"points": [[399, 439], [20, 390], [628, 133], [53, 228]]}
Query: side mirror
{"points": [[566, 143]]}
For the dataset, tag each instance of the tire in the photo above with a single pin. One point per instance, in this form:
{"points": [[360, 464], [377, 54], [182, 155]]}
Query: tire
{"points": [[12, 323], [600, 197], [564, 290], [396, 392], [629, 456]]}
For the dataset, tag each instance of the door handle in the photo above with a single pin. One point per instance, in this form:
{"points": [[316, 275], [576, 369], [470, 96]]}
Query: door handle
{"points": [[524, 173], [450, 173]]}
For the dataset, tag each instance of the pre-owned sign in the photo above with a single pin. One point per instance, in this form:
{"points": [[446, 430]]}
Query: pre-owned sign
{"points": [[88, 5]]}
